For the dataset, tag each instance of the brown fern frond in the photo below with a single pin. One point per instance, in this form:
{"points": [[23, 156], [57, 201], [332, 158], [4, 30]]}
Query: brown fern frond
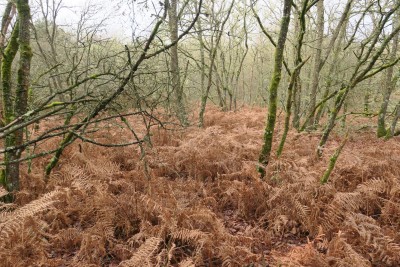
{"points": [[374, 186], [186, 263], [11, 221], [144, 255], [344, 254], [194, 237]]}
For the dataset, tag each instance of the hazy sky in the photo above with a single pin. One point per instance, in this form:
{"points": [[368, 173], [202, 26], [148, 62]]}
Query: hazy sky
{"points": [[117, 15], [116, 21], [126, 19]]}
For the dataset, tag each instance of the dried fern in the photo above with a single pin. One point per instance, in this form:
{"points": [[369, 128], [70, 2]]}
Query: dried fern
{"points": [[144, 255]]}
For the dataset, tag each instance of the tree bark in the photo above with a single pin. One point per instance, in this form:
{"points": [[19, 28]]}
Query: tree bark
{"points": [[389, 86], [16, 105], [295, 74], [317, 59], [174, 64], [273, 89]]}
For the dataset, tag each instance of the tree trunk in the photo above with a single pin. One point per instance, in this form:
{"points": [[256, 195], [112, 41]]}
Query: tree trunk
{"points": [[389, 86], [213, 54], [317, 59], [295, 74], [340, 27], [174, 64], [199, 30], [394, 122], [333, 66], [20, 40], [297, 84], [273, 89]]}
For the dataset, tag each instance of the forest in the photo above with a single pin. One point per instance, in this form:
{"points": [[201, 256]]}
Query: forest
{"points": [[200, 133]]}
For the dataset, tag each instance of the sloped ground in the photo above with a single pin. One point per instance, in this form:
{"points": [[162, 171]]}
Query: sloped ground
{"points": [[195, 199]]}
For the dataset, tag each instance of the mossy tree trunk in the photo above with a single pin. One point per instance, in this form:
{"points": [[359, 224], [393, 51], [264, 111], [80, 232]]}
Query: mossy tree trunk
{"points": [[8, 15], [11, 169], [15, 105], [273, 89], [332, 161]]}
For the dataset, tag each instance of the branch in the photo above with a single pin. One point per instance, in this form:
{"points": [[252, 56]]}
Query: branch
{"points": [[269, 37]]}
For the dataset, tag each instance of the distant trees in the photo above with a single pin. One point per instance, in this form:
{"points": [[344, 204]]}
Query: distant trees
{"points": [[367, 65], [219, 20]]}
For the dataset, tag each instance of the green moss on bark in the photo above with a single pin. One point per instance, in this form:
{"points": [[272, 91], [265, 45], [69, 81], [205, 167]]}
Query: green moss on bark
{"points": [[273, 90]]}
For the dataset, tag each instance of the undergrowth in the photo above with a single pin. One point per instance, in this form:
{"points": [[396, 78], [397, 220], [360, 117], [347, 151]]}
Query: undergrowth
{"points": [[195, 199]]}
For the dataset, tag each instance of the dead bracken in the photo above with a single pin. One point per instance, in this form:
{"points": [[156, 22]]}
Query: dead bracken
{"points": [[200, 202]]}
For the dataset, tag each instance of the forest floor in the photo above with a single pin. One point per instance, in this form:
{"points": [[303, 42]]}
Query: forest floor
{"points": [[195, 199]]}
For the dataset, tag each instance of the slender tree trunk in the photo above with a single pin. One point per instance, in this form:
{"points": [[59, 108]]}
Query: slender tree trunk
{"points": [[343, 21], [11, 172], [8, 15], [213, 54], [332, 161], [273, 89], [246, 50], [367, 97], [297, 84], [199, 29], [340, 98], [332, 68], [174, 64], [317, 59], [389, 86], [394, 122]]}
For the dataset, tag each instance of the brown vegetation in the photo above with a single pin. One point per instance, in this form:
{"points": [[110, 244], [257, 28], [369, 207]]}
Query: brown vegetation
{"points": [[196, 199]]}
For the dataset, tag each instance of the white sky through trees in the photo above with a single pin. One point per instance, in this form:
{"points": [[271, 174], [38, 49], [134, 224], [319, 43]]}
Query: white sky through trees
{"points": [[126, 20], [121, 19]]}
